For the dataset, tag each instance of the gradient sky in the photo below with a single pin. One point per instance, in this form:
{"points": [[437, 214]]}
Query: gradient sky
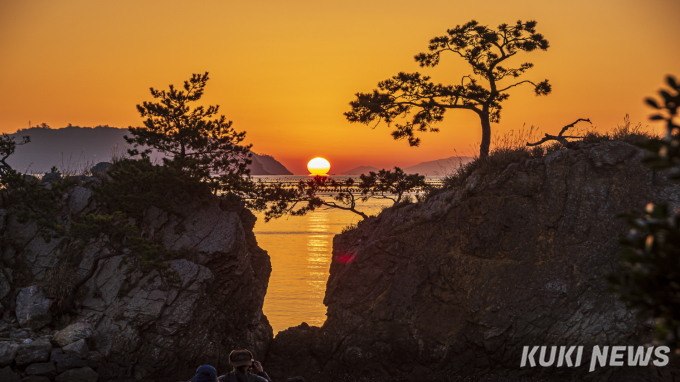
{"points": [[284, 71]]}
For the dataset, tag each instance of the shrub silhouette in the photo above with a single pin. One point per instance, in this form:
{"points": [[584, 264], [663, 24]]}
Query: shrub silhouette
{"points": [[648, 277]]}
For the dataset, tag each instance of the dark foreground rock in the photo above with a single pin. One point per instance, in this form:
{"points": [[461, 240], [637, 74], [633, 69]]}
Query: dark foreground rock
{"points": [[455, 287], [129, 323]]}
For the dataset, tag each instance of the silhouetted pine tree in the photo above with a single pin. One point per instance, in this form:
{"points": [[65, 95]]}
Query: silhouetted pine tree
{"points": [[421, 103], [196, 140]]}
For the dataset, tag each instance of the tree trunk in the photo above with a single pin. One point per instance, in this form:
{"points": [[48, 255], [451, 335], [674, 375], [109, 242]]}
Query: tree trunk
{"points": [[363, 215], [486, 133]]}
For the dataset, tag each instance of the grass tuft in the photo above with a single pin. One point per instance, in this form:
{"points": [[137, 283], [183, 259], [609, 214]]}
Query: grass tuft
{"points": [[511, 148], [635, 135], [348, 228]]}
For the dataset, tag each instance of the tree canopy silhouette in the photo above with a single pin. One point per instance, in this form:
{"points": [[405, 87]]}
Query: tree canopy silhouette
{"points": [[342, 194], [412, 97], [198, 141]]}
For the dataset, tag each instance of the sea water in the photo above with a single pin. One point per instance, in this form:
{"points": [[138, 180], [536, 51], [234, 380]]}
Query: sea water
{"points": [[300, 249]]}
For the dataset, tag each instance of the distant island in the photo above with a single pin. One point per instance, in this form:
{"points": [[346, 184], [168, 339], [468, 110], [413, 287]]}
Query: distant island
{"points": [[438, 167], [74, 148]]}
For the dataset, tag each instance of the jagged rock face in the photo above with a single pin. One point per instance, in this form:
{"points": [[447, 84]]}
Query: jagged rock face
{"points": [[456, 286], [217, 308], [130, 324]]}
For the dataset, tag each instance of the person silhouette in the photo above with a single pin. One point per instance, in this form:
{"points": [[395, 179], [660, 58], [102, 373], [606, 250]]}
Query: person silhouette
{"points": [[242, 361], [205, 373]]}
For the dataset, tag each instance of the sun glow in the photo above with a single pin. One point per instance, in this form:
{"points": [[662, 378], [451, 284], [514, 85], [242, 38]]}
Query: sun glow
{"points": [[318, 166]]}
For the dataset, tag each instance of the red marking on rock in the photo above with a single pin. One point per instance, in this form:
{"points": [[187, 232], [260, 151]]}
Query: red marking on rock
{"points": [[346, 258]]}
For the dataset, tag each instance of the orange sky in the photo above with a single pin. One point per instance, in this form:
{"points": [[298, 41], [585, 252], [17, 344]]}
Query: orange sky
{"points": [[284, 71]]}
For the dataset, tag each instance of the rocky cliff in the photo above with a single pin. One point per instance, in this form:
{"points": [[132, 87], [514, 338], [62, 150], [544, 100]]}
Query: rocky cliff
{"points": [[458, 285], [127, 323]]}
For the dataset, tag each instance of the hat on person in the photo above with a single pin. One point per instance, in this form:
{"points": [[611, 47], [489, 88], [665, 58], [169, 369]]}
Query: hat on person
{"points": [[205, 373], [241, 358]]}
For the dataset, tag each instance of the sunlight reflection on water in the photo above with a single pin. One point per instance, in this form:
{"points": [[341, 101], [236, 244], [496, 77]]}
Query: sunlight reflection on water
{"points": [[300, 249]]}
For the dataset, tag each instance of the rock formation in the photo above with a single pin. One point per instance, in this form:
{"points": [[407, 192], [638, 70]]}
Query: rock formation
{"points": [[129, 324], [458, 285]]}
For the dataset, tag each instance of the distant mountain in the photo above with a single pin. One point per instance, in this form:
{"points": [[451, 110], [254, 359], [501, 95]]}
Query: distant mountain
{"points": [[360, 170], [439, 167], [270, 165], [75, 148]]}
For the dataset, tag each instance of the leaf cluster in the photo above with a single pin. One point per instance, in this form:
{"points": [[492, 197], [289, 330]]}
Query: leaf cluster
{"points": [[648, 277], [665, 152], [29, 200], [137, 185], [484, 48], [387, 184]]}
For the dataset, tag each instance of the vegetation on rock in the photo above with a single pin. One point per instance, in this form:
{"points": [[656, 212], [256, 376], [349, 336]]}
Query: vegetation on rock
{"points": [[513, 147], [136, 185]]}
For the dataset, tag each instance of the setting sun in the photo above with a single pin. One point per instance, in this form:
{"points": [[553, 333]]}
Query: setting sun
{"points": [[318, 166], [180, 160]]}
